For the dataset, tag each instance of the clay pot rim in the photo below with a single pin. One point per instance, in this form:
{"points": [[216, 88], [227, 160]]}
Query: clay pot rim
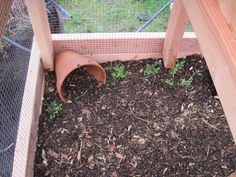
{"points": [[67, 62]]}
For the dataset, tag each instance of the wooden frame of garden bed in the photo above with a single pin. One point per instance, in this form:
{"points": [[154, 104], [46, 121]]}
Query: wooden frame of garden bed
{"points": [[30, 110], [33, 92], [107, 47], [212, 22]]}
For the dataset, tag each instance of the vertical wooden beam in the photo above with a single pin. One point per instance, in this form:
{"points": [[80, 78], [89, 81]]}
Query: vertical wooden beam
{"points": [[5, 9], [39, 20], [233, 174], [228, 9], [174, 33], [218, 45]]}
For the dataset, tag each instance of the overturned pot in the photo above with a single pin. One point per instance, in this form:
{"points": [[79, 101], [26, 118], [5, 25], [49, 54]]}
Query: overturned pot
{"points": [[67, 61]]}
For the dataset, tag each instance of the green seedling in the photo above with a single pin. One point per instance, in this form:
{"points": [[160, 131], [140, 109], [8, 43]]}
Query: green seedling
{"points": [[179, 66], [186, 83], [118, 71], [169, 82], [152, 69], [53, 109]]}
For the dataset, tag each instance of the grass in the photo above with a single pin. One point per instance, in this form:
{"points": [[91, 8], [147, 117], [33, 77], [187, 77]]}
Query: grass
{"points": [[113, 15]]}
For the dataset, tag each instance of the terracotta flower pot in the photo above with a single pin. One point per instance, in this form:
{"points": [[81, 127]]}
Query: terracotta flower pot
{"points": [[68, 61]]}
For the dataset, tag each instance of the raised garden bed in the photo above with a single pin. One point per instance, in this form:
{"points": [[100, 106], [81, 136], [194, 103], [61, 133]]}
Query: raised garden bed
{"points": [[136, 125]]}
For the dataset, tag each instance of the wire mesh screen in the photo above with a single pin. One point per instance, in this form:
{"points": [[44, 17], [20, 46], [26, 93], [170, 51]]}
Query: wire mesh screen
{"points": [[14, 58], [90, 16], [110, 22]]}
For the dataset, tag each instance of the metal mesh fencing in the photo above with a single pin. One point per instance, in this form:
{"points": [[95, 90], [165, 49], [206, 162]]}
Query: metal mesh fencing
{"points": [[14, 58], [114, 20], [109, 16], [93, 16]]}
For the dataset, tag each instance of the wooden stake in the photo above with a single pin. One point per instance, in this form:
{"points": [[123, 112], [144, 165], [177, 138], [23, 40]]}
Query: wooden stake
{"points": [[5, 8], [39, 20], [174, 34], [218, 46]]}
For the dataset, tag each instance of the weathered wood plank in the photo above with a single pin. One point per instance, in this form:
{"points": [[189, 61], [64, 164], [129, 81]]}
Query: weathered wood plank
{"points": [[41, 28], [174, 34], [218, 45], [5, 9], [228, 9], [105, 47]]}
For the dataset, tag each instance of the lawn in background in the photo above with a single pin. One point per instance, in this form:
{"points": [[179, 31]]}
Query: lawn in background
{"points": [[90, 16]]}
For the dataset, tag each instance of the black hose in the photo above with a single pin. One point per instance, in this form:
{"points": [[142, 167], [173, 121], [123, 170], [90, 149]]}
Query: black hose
{"points": [[66, 15], [155, 16], [9, 41]]}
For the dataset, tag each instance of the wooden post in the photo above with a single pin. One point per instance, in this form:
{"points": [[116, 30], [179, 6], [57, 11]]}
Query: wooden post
{"points": [[227, 8], [5, 8], [218, 46], [174, 34], [39, 20]]}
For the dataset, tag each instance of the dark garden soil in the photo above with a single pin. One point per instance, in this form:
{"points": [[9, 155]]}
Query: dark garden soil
{"points": [[137, 126]]}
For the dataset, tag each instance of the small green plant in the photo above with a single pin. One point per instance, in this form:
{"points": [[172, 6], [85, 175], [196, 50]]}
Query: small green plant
{"points": [[169, 82], [179, 66], [152, 69], [53, 109], [186, 83], [118, 71]]}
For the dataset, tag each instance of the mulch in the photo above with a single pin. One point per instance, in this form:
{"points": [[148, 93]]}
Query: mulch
{"points": [[137, 126]]}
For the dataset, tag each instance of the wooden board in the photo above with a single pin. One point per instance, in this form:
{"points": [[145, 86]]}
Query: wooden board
{"points": [[228, 9], [31, 107], [218, 46], [105, 47], [38, 16], [5, 9], [174, 34]]}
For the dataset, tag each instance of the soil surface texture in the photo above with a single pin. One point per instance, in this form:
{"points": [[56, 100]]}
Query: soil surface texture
{"points": [[136, 126]]}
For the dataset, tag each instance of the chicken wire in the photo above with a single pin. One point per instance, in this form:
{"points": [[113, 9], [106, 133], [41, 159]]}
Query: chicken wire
{"points": [[13, 68], [109, 16], [15, 47], [114, 19]]}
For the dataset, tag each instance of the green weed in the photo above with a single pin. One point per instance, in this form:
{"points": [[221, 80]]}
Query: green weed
{"points": [[186, 83], [169, 82], [152, 69], [179, 66], [118, 71], [53, 109]]}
